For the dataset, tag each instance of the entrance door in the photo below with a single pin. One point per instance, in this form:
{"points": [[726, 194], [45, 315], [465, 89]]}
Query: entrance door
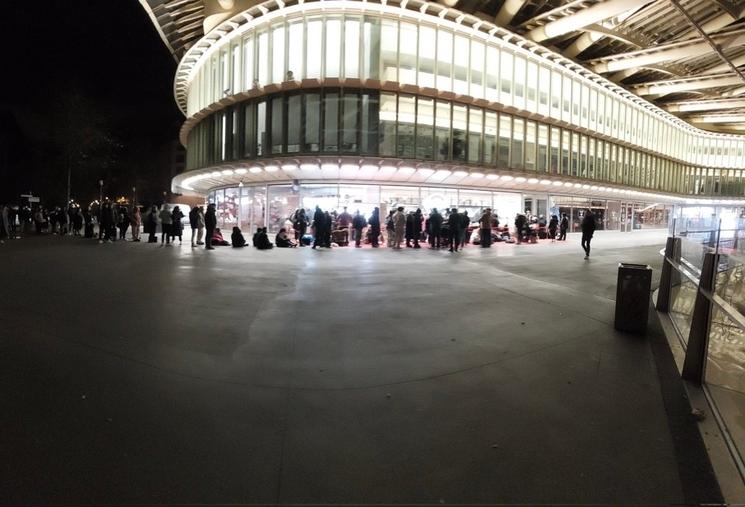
{"points": [[627, 217]]}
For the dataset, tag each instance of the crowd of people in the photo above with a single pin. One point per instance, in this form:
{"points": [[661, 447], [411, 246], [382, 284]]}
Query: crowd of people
{"points": [[451, 230]]}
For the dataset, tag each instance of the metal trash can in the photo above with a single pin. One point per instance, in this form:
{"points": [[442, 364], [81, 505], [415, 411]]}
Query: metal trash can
{"points": [[632, 297]]}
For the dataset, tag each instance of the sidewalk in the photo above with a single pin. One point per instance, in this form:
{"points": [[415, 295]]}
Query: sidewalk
{"points": [[140, 374]]}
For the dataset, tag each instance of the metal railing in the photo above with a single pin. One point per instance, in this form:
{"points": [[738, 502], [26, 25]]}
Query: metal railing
{"points": [[702, 289]]}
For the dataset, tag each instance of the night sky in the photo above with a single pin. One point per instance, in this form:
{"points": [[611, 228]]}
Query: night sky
{"points": [[71, 65]]}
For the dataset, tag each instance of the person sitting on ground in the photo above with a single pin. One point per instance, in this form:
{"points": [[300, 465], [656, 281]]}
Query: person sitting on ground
{"points": [[261, 241], [237, 238], [217, 239], [283, 241]]}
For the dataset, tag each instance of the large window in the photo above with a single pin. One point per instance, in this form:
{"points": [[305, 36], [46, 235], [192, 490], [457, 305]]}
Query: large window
{"points": [[366, 122]]}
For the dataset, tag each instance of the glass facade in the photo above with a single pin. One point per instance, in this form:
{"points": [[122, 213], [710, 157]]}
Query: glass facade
{"points": [[369, 122], [411, 49]]}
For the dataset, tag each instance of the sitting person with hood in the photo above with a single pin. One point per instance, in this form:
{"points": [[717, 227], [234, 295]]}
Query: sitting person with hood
{"points": [[217, 239], [237, 238], [283, 241], [261, 241]]}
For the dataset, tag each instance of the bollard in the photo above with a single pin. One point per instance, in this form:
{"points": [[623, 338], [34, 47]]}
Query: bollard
{"points": [[632, 297]]}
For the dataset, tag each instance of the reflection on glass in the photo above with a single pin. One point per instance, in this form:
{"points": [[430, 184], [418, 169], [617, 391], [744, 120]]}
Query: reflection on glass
{"points": [[442, 130], [406, 122], [424, 128], [460, 124]]}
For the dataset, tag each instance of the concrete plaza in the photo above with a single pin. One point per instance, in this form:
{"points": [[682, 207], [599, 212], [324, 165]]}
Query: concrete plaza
{"points": [[134, 373]]}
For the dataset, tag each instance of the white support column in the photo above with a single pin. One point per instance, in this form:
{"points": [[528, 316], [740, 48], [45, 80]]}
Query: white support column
{"points": [[584, 17], [507, 11]]}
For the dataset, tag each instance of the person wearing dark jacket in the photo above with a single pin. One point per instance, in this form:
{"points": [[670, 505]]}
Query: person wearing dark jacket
{"points": [[151, 225], [210, 223], [319, 227], [261, 241], [520, 223], [409, 230], [327, 225], [236, 238], [282, 240], [553, 224], [194, 223], [485, 228], [563, 227], [124, 222], [416, 227], [358, 224], [177, 228], [374, 227], [464, 225], [588, 228], [454, 225], [435, 228]]}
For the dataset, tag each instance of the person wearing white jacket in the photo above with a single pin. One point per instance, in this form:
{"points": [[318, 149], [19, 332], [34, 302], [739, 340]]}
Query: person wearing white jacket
{"points": [[165, 224]]}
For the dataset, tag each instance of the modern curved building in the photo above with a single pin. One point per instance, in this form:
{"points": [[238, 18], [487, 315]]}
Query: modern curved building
{"points": [[404, 102]]}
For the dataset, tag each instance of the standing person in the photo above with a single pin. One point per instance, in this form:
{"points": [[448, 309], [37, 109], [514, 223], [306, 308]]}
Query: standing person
{"points": [[358, 224], [343, 221], [409, 232], [588, 229], [4, 224], [38, 220], [465, 224], [123, 222], [77, 221], [136, 223], [177, 227], [193, 222], [210, 223], [520, 223], [88, 221], [107, 223], [417, 227], [399, 225], [201, 224], [300, 225], [390, 229], [454, 224], [553, 224], [435, 228], [63, 219], [485, 228], [327, 226], [319, 226], [563, 227], [374, 227], [151, 225], [165, 224]]}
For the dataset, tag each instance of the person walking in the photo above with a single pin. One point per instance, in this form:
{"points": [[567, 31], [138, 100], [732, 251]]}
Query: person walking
{"points": [[166, 222], [435, 229], [210, 223], [588, 229], [151, 224], [399, 226], [553, 224], [358, 224], [485, 228], [454, 225], [563, 227], [193, 222], [136, 223], [327, 226], [177, 227], [374, 222]]}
